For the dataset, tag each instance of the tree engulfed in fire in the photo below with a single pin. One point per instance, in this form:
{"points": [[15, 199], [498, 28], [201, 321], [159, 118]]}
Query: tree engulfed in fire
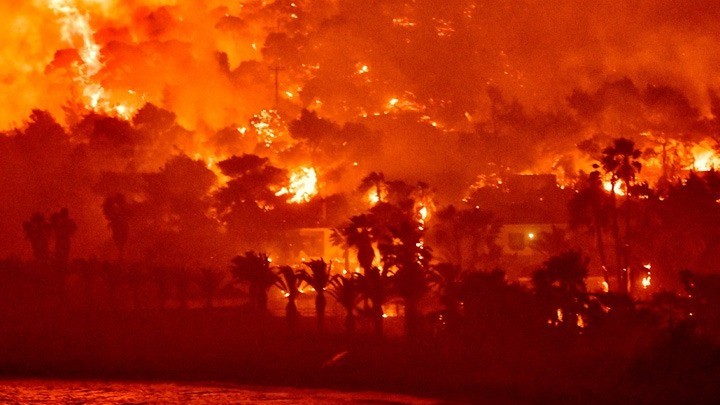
{"points": [[302, 187]]}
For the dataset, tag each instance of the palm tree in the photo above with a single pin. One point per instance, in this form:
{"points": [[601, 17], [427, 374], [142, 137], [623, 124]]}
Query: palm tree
{"points": [[63, 228], [117, 211], [620, 161], [254, 269], [374, 180], [447, 277], [472, 231], [589, 208], [560, 283], [375, 285], [210, 280], [289, 281], [318, 278], [358, 234], [37, 231], [406, 253], [346, 291], [412, 282]]}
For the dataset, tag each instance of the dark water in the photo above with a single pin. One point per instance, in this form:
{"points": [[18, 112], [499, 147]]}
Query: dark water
{"points": [[82, 392]]}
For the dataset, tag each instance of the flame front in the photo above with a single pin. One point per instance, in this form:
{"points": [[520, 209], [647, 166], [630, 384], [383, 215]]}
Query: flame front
{"points": [[303, 185], [76, 24]]}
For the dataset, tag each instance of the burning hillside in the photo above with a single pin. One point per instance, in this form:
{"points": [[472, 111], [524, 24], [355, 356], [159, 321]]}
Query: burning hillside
{"points": [[211, 110]]}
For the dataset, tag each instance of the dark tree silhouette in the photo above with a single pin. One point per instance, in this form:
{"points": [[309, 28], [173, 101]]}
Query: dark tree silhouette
{"points": [[374, 181], [590, 207], [412, 282], [289, 281], [560, 285], [485, 299], [210, 280], [249, 199], [448, 278], [358, 234], [117, 211], [254, 270], [375, 285], [318, 278], [313, 130], [467, 237], [347, 292], [620, 161], [63, 228], [37, 231]]}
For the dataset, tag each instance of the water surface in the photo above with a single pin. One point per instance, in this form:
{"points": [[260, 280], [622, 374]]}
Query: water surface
{"points": [[96, 392]]}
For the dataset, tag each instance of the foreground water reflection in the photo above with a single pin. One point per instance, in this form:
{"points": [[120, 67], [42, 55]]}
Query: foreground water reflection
{"points": [[97, 392]]}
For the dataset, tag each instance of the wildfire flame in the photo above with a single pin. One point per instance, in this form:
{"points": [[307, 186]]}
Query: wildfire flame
{"points": [[374, 196], [303, 185], [704, 158], [646, 281], [74, 24], [618, 187]]}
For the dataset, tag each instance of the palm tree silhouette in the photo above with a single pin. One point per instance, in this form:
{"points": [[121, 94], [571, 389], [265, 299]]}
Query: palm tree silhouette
{"points": [[590, 207], [346, 290], [318, 278], [289, 281], [620, 160], [374, 180], [358, 234], [375, 288], [254, 270], [447, 277], [560, 283], [37, 231], [412, 282], [63, 227], [466, 231], [209, 283], [117, 211]]}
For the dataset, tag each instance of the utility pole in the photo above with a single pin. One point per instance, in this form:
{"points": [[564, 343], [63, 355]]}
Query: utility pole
{"points": [[276, 68]]}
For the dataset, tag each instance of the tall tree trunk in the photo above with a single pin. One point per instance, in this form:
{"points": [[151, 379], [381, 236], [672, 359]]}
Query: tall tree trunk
{"points": [[379, 322], [619, 270], [601, 253], [320, 304], [626, 247], [412, 319], [350, 323], [291, 313]]}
